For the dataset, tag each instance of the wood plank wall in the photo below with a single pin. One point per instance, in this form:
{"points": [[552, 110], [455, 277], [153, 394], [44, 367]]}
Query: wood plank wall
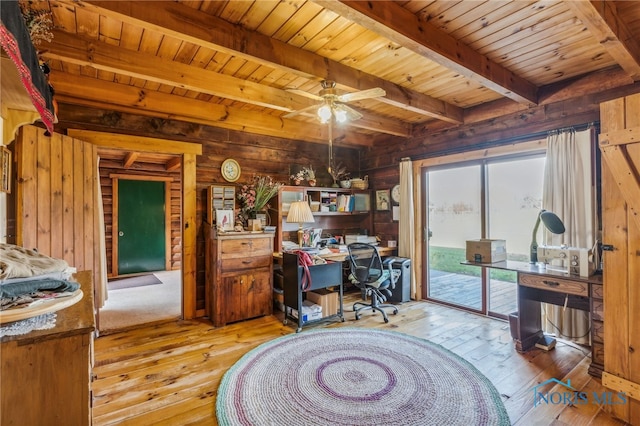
{"points": [[621, 266], [56, 198], [257, 155], [142, 169]]}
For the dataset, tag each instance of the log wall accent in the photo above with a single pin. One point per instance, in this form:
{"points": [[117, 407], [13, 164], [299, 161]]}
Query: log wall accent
{"points": [[56, 198], [620, 126]]}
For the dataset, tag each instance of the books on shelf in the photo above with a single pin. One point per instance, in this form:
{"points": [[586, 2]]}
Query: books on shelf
{"points": [[345, 203]]}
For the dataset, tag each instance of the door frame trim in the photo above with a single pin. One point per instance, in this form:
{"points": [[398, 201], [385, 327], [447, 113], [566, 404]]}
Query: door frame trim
{"points": [[115, 177], [188, 151]]}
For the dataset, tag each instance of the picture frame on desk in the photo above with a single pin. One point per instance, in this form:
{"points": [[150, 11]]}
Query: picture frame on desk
{"points": [[382, 199], [224, 220]]}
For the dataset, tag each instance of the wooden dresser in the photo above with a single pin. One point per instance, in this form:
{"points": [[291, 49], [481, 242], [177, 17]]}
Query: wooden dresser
{"points": [[46, 374], [239, 276]]}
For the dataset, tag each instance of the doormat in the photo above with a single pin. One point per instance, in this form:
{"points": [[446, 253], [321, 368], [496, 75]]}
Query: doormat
{"points": [[138, 281]]}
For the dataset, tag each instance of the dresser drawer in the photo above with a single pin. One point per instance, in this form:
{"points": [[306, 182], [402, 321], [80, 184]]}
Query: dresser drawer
{"points": [[245, 247], [597, 309], [597, 291], [597, 353], [559, 285], [597, 331], [245, 262]]}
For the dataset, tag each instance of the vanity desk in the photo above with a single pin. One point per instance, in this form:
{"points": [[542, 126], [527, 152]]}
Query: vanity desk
{"points": [[538, 284]]}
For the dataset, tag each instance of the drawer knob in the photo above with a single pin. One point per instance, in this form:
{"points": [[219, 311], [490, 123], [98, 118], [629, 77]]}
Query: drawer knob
{"points": [[551, 283]]}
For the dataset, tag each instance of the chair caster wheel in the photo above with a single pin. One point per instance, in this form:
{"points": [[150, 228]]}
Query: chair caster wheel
{"points": [[386, 320]]}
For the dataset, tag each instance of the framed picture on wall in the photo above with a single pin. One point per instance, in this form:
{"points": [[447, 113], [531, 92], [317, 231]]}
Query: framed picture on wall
{"points": [[382, 199], [5, 169]]}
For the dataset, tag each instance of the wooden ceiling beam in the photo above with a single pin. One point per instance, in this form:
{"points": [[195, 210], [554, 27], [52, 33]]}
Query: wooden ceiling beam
{"points": [[193, 26], [110, 58], [88, 92], [602, 20], [129, 159], [173, 164], [389, 19]]}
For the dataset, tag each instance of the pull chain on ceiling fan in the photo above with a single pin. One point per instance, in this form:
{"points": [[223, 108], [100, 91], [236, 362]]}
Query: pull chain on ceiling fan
{"points": [[332, 107]]}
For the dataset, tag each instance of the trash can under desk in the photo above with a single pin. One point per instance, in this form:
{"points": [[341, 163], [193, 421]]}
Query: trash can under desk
{"points": [[402, 292]]}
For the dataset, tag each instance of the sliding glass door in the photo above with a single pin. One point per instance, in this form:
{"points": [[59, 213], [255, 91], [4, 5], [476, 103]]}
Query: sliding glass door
{"points": [[497, 199], [514, 199], [454, 201]]}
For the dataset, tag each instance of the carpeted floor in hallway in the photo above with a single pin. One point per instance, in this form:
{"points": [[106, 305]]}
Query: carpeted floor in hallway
{"points": [[129, 307]]}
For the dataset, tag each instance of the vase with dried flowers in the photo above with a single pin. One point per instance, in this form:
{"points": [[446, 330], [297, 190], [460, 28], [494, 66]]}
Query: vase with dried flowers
{"points": [[309, 175], [254, 197], [338, 172], [298, 177]]}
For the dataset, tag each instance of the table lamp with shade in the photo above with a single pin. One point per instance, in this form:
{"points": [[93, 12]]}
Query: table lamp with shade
{"points": [[300, 213], [552, 222]]}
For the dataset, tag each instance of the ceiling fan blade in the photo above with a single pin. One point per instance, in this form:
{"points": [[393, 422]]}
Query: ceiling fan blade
{"points": [[303, 93], [363, 94], [313, 108], [352, 114]]}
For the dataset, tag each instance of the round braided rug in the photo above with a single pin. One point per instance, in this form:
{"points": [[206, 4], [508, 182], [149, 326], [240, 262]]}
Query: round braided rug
{"points": [[355, 376]]}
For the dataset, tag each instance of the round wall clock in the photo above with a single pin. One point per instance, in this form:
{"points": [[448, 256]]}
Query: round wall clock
{"points": [[230, 170], [395, 194]]}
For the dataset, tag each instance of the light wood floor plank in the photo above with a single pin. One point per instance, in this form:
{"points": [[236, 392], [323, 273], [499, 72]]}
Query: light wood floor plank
{"points": [[168, 374]]}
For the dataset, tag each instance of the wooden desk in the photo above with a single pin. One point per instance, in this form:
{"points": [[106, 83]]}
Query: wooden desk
{"points": [[536, 285], [341, 257]]}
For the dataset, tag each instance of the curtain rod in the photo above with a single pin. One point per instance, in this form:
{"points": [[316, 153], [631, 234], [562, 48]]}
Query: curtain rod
{"points": [[521, 138]]}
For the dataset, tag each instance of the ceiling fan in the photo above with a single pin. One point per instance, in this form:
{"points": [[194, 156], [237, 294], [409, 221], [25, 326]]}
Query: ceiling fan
{"points": [[333, 109], [332, 105]]}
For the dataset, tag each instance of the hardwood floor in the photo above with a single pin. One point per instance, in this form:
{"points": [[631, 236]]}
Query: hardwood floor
{"points": [[168, 374]]}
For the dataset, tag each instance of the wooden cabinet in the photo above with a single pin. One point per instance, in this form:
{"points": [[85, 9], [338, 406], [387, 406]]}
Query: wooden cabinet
{"points": [[239, 269], [46, 374], [336, 210]]}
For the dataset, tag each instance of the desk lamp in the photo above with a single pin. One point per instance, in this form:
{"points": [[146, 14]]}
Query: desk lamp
{"points": [[552, 222], [300, 213]]}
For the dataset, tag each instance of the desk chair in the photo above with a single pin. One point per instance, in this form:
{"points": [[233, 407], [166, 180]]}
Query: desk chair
{"points": [[372, 277]]}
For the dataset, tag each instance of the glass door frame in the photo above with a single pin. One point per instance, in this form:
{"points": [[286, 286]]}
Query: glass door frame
{"points": [[484, 219]]}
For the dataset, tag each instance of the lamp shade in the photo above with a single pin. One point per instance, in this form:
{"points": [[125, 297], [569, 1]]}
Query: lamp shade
{"points": [[552, 222], [300, 212]]}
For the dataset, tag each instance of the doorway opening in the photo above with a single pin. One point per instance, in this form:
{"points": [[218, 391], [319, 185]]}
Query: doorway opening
{"points": [[143, 248]]}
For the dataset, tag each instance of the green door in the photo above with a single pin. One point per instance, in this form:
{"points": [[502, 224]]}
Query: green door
{"points": [[141, 226]]}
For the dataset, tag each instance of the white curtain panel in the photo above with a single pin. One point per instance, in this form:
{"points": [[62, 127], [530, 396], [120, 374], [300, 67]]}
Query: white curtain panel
{"points": [[100, 287], [568, 192], [406, 233]]}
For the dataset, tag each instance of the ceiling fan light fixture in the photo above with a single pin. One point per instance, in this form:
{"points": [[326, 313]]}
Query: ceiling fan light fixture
{"points": [[341, 115], [324, 113]]}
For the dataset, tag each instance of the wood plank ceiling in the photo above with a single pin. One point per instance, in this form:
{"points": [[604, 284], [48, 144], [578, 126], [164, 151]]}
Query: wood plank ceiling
{"points": [[232, 64]]}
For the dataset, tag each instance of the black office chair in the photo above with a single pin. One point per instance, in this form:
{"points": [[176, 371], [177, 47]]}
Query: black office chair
{"points": [[374, 278]]}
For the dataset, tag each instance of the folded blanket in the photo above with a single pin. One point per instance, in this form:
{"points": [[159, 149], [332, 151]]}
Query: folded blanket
{"points": [[20, 288], [17, 261]]}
